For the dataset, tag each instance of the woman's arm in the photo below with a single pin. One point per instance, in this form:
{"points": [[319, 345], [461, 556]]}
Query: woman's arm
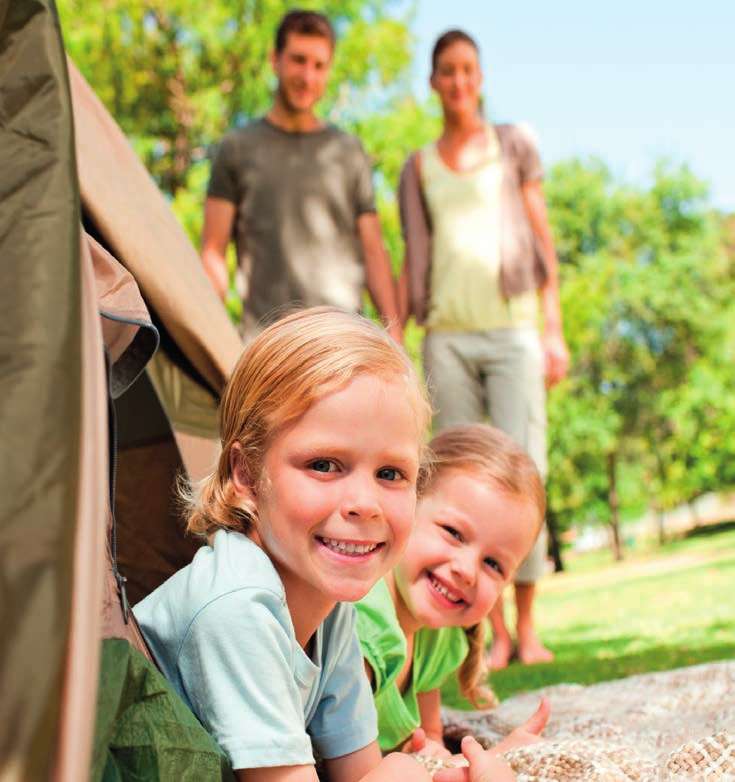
{"points": [[555, 348]]}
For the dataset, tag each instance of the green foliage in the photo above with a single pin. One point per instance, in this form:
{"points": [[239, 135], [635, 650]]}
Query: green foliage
{"points": [[647, 294], [176, 75]]}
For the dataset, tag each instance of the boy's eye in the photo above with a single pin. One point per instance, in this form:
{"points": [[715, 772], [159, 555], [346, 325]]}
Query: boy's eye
{"points": [[322, 465], [388, 474]]}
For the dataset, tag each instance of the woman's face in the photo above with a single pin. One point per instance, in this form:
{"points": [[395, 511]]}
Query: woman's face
{"points": [[457, 79]]}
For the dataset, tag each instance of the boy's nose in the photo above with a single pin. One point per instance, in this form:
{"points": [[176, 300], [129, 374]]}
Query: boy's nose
{"points": [[361, 500]]}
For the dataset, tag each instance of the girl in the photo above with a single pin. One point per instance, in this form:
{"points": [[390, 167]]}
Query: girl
{"points": [[480, 264], [481, 503], [311, 502]]}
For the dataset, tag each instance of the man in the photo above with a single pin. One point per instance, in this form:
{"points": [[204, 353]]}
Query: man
{"points": [[297, 195]]}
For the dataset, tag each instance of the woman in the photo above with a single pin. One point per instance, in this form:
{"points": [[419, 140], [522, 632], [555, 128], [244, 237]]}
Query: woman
{"points": [[479, 257]]}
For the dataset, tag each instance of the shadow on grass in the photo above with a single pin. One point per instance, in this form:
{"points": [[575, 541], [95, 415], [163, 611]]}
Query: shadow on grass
{"points": [[575, 664]]}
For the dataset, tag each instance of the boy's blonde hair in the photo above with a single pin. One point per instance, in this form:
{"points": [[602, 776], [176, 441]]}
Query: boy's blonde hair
{"points": [[289, 366], [495, 458]]}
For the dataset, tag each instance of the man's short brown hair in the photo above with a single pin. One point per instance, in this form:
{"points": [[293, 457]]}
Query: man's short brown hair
{"points": [[304, 23]]}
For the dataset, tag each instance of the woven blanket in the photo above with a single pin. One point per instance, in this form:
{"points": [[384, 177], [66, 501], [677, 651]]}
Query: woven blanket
{"points": [[657, 727]]}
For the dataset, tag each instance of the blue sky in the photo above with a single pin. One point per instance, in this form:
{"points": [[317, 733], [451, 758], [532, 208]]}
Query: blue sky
{"points": [[627, 81]]}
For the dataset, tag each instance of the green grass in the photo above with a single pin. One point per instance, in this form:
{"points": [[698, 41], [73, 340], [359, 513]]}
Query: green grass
{"points": [[661, 608]]}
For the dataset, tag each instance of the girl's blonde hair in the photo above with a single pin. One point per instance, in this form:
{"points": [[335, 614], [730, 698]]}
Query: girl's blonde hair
{"points": [[495, 458], [289, 366]]}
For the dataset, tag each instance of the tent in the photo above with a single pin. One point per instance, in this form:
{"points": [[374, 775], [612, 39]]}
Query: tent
{"points": [[95, 275]]}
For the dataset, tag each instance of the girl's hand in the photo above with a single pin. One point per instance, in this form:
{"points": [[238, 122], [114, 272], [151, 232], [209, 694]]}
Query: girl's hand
{"points": [[528, 733], [421, 744], [485, 765]]}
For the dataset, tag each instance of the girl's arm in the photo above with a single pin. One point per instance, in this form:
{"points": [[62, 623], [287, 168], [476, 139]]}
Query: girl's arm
{"points": [[430, 715]]}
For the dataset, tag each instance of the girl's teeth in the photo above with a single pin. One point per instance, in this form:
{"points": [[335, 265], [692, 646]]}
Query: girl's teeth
{"points": [[444, 591], [349, 548]]}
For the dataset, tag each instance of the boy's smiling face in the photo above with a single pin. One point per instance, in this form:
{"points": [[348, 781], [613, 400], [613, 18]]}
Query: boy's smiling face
{"points": [[337, 495]]}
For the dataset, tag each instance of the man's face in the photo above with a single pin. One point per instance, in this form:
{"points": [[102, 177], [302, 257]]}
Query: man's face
{"points": [[302, 68]]}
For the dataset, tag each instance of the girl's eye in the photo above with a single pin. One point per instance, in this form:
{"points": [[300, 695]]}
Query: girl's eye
{"points": [[453, 532], [493, 564], [388, 474], [322, 465]]}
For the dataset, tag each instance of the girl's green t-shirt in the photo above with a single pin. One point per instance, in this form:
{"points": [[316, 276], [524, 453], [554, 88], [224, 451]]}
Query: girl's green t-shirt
{"points": [[436, 655]]}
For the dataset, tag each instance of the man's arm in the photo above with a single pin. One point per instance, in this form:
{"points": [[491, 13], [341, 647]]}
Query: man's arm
{"points": [[378, 274], [219, 216], [555, 348]]}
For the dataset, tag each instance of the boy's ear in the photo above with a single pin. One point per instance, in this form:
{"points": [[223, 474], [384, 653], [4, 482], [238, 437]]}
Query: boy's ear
{"points": [[242, 481]]}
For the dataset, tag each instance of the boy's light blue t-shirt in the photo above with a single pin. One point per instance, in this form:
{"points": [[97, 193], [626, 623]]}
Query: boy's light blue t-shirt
{"points": [[222, 633]]}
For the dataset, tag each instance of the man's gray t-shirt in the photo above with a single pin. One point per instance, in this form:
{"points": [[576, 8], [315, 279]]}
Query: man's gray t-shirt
{"points": [[297, 198]]}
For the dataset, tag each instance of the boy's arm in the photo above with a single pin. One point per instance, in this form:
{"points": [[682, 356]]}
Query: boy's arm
{"points": [[277, 774], [367, 765]]}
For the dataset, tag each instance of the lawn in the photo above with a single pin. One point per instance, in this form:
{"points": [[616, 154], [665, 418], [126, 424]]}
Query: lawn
{"points": [[661, 608]]}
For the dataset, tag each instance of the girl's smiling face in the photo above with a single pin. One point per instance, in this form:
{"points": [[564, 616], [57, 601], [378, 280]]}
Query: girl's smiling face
{"points": [[337, 495], [469, 538]]}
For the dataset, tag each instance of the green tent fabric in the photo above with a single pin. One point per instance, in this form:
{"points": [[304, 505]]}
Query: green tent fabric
{"points": [[144, 730], [56, 457], [40, 382]]}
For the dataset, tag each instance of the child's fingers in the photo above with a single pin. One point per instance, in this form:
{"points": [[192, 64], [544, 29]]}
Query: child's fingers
{"points": [[471, 749], [539, 718], [461, 774], [418, 740]]}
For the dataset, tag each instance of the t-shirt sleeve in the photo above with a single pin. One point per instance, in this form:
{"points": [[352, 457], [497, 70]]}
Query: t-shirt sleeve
{"points": [[382, 642], [345, 719], [237, 666], [526, 149], [364, 188], [223, 175], [438, 654]]}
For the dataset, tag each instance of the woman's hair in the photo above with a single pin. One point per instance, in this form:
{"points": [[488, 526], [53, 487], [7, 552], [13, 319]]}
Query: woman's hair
{"points": [[495, 458], [289, 366], [445, 40]]}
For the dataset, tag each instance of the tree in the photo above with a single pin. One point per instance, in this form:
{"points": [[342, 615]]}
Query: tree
{"points": [[647, 291]]}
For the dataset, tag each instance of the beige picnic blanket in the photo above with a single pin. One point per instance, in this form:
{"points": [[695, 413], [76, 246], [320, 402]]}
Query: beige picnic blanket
{"points": [[656, 727]]}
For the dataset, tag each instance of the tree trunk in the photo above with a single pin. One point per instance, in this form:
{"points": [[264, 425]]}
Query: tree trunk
{"points": [[554, 540], [614, 506], [660, 524]]}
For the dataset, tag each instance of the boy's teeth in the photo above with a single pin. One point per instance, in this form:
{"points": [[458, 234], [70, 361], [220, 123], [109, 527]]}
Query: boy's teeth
{"points": [[444, 591], [349, 548]]}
